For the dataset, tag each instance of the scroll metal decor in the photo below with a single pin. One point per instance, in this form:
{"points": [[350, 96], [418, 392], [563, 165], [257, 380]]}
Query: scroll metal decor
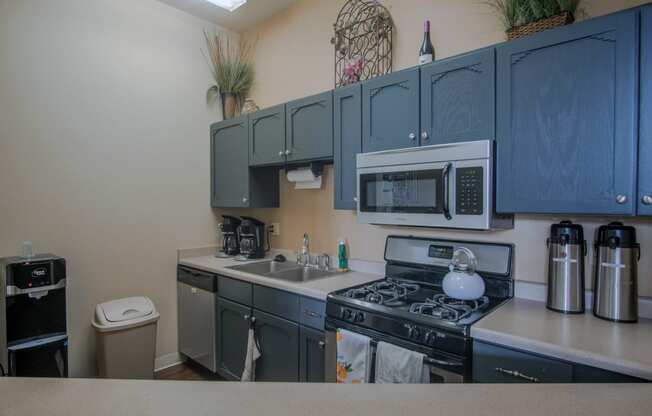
{"points": [[363, 42]]}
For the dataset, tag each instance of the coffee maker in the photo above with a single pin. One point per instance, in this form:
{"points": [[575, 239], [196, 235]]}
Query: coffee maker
{"points": [[252, 239], [230, 236]]}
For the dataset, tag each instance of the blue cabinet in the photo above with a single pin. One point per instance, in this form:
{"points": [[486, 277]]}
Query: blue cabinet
{"points": [[312, 355], [390, 111], [279, 345], [309, 128], [645, 133], [347, 121], [267, 136], [567, 119], [458, 98]]}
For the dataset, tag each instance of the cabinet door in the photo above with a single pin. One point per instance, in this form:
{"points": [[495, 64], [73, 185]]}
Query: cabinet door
{"points": [[309, 132], [312, 356], [586, 374], [279, 345], [645, 139], [232, 335], [230, 164], [458, 98], [347, 120], [267, 136], [390, 111], [567, 116]]}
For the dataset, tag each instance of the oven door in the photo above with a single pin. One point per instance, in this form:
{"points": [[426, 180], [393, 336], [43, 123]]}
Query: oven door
{"points": [[443, 367], [407, 194]]}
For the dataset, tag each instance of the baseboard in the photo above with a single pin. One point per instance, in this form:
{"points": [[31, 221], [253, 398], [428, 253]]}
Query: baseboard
{"points": [[168, 360]]}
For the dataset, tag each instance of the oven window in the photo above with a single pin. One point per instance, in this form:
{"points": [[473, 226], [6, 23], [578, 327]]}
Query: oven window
{"points": [[416, 192]]}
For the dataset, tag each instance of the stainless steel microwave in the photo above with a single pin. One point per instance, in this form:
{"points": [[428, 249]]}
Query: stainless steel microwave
{"points": [[447, 185]]}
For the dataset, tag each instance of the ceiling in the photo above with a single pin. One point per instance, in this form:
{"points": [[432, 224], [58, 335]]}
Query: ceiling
{"points": [[243, 18]]}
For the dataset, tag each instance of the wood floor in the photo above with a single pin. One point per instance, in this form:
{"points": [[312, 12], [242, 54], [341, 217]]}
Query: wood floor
{"points": [[186, 371]]}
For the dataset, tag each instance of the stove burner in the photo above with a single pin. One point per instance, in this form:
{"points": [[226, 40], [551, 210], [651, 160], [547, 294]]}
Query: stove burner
{"points": [[447, 308], [388, 292]]}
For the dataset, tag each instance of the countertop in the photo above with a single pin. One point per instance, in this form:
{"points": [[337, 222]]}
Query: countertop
{"points": [[317, 289], [71, 397], [527, 325]]}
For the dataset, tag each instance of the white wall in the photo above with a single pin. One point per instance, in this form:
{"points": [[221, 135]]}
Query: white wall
{"points": [[104, 149]]}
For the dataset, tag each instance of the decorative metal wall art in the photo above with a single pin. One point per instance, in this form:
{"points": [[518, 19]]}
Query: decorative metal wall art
{"points": [[363, 41]]}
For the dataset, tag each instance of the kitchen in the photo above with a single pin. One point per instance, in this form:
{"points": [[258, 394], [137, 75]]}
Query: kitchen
{"points": [[122, 230]]}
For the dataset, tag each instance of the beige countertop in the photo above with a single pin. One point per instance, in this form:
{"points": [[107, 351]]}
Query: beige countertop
{"points": [[527, 325], [317, 289], [71, 397]]}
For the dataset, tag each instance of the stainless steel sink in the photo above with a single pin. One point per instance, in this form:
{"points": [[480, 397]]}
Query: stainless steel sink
{"points": [[291, 272]]}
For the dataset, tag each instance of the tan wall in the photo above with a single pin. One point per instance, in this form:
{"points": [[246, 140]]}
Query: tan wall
{"points": [[294, 58], [104, 149]]}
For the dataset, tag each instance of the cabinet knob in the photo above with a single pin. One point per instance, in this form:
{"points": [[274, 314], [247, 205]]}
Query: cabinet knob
{"points": [[246, 317], [355, 199], [288, 152], [412, 136], [424, 135], [621, 199], [281, 153], [322, 344], [244, 199], [647, 200]]}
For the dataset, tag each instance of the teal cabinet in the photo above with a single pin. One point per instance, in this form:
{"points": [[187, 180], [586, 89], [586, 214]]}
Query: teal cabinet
{"points": [[347, 119], [267, 136], [458, 98], [309, 128], [232, 332], [279, 344], [390, 111], [567, 105], [645, 133], [233, 183], [312, 356]]}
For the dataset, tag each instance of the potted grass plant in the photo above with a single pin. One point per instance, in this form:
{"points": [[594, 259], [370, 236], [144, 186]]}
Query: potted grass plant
{"points": [[525, 17], [232, 69]]}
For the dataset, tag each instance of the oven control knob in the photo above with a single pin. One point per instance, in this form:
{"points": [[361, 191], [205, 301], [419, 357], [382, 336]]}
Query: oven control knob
{"points": [[413, 332], [346, 314], [430, 338], [359, 317]]}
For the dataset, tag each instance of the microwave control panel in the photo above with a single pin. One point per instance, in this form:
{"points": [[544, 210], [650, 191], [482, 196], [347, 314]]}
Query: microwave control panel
{"points": [[468, 191]]}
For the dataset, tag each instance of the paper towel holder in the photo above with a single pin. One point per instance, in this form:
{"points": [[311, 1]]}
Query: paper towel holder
{"points": [[317, 168]]}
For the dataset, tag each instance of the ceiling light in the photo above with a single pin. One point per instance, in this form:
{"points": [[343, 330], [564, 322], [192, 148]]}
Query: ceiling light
{"points": [[229, 5]]}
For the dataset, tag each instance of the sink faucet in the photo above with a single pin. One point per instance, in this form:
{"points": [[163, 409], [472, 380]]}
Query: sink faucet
{"points": [[303, 257]]}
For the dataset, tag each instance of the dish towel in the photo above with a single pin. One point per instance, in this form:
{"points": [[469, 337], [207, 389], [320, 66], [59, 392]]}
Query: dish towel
{"points": [[253, 354], [398, 365], [353, 357]]}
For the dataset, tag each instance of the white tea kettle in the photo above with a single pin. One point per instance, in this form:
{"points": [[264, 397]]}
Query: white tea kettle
{"points": [[462, 282]]}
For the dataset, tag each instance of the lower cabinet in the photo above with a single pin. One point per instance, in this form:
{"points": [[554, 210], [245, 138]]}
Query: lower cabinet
{"points": [[311, 353], [278, 340], [232, 334]]}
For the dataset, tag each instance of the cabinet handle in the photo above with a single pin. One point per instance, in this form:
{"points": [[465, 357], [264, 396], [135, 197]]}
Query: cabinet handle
{"points": [[621, 199], [288, 152], [322, 344], [281, 153], [515, 373], [646, 200], [412, 136], [311, 314], [244, 199], [424, 135], [247, 317], [355, 199]]}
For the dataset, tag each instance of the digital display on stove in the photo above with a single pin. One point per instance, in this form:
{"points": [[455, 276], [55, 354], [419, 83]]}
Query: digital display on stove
{"points": [[441, 252]]}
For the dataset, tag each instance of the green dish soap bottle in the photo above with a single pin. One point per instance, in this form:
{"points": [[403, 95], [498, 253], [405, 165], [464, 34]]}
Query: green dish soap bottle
{"points": [[343, 261]]}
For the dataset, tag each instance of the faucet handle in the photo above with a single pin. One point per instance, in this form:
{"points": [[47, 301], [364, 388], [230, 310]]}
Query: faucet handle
{"points": [[324, 262]]}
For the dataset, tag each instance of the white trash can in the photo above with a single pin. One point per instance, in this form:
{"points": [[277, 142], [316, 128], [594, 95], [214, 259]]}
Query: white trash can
{"points": [[126, 338]]}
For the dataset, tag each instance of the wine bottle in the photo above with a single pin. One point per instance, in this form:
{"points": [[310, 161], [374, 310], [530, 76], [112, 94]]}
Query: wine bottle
{"points": [[427, 52]]}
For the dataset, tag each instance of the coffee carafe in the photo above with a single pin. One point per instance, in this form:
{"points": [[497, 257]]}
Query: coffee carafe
{"points": [[229, 227], [252, 239], [616, 273], [566, 252]]}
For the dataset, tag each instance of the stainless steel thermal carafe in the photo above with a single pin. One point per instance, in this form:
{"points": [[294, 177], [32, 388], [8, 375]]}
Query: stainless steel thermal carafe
{"points": [[566, 251], [616, 273]]}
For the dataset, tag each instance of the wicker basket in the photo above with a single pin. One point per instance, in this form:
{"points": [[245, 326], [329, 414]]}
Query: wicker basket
{"points": [[528, 29]]}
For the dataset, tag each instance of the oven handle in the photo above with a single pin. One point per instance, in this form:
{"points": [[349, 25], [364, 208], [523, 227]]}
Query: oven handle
{"points": [[432, 361], [445, 179]]}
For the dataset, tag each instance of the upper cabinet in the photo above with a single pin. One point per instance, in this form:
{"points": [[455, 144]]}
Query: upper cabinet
{"points": [[233, 184], [309, 132], [567, 106], [458, 98], [645, 133], [390, 111], [347, 120], [267, 136]]}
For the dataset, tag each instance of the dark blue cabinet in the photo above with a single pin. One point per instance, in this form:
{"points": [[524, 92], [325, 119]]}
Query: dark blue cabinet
{"points": [[645, 133], [567, 119], [458, 98], [232, 332], [267, 136], [279, 345], [309, 128], [312, 355], [390, 111], [347, 123]]}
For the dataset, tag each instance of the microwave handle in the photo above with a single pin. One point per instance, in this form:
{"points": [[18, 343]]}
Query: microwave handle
{"points": [[445, 179]]}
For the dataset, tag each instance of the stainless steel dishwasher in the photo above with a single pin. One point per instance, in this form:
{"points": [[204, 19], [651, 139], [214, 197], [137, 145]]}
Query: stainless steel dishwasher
{"points": [[197, 296]]}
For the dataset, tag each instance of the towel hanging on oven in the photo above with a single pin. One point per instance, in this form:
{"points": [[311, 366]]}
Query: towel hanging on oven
{"points": [[399, 365], [353, 357]]}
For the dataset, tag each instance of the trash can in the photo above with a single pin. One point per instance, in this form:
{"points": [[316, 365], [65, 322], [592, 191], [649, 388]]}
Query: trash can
{"points": [[126, 338]]}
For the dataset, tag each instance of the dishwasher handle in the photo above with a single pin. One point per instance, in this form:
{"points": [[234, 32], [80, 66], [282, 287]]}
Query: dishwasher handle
{"points": [[197, 278]]}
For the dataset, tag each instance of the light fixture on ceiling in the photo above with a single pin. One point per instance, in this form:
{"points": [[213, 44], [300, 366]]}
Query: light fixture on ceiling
{"points": [[229, 5]]}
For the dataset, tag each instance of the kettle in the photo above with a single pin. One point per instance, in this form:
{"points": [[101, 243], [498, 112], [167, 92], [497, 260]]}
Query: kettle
{"points": [[462, 282], [616, 273], [566, 251]]}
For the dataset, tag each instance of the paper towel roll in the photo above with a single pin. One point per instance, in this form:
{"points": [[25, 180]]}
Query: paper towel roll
{"points": [[303, 178]]}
